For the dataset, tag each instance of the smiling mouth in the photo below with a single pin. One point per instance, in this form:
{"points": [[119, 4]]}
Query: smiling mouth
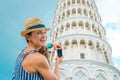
{"points": [[43, 40]]}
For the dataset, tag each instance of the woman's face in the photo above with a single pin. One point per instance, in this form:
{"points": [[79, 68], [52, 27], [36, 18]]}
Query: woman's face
{"points": [[38, 38]]}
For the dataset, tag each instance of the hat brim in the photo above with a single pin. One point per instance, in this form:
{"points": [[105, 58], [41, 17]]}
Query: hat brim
{"points": [[23, 33]]}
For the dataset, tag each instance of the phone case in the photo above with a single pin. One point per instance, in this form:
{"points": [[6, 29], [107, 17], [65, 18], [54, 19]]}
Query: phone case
{"points": [[59, 53]]}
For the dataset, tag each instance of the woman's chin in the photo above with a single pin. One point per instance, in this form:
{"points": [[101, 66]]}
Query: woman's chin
{"points": [[43, 44]]}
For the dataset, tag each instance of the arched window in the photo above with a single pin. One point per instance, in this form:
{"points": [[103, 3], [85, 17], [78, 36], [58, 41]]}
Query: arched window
{"points": [[87, 25], [89, 13], [73, 11], [63, 15], [115, 77], [83, 2], [68, 13], [93, 28], [90, 44], [82, 42], [61, 29], [101, 75], [73, 24], [64, 5], [79, 11], [68, 3], [73, 1], [88, 3], [78, 1], [85, 12], [80, 74], [66, 43], [106, 57], [74, 43], [67, 26], [80, 24]]}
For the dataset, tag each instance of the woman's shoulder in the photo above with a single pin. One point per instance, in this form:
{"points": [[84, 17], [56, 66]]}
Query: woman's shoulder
{"points": [[37, 58]]}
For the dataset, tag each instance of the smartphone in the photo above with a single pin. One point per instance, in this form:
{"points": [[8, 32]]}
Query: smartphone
{"points": [[59, 53]]}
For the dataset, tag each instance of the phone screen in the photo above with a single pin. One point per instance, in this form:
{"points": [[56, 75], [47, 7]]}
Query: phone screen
{"points": [[59, 53]]}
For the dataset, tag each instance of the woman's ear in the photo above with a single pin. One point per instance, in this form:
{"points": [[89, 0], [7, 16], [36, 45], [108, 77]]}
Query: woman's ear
{"points": [[27, 37]]}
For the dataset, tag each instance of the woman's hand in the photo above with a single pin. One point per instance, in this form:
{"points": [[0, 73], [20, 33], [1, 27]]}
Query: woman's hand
{"points": [[56, 46], [58, 60]]}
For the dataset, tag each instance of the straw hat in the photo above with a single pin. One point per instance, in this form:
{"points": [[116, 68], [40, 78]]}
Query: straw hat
{"points": [[33, 24]]}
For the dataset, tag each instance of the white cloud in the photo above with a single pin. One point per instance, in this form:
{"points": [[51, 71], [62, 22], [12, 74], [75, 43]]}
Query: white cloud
{"points": [[109, 10], [110, 14], [113, 35]]}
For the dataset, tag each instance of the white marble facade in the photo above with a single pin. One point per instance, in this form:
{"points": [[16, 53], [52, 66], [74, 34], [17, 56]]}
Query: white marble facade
{"points": [[77, 27]]}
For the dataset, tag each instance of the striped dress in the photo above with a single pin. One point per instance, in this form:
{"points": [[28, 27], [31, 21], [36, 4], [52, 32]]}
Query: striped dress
{"points": [[20, 73]]}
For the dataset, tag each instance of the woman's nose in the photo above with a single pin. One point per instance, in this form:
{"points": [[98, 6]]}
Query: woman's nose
{"points": [[44, 35]]}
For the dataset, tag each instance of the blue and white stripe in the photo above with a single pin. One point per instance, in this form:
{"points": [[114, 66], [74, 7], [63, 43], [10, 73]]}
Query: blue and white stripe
{"points": [[21, 74]]}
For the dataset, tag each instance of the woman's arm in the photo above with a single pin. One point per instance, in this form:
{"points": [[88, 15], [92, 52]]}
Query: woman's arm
{"points": [[57, 69], [42, 66]]}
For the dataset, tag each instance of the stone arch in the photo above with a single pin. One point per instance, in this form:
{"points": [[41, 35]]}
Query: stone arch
{"points": [[90, 44], [73, 1], [79, 11], [88, 3], [106, 57], [78, 1], [82, 42], [90, 14], [67, 26], [99, 32], [80, 24], [68, 2], [83, 2], [97, 45], [87, 25], [74, 43], [63, 15], [61, 29], [94, 29], [100, 74], [74, 24], [57, 31], [60, 8], [64, 5], [59, 18], [68, 13], [73, 11], [115, 77], [62, 73], [85, 12], [95, 18], [91, 5], [66, 44], [80, 73]]}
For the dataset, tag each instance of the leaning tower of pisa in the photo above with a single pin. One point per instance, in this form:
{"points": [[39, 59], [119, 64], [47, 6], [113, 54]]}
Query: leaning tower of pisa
{"points": [[77, 27]]}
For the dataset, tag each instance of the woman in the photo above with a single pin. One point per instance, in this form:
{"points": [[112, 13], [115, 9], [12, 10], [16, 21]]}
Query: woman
{"points": [[33, 63]]}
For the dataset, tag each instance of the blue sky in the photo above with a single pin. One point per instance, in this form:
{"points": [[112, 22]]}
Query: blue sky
{"points": [[13, 13]]}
